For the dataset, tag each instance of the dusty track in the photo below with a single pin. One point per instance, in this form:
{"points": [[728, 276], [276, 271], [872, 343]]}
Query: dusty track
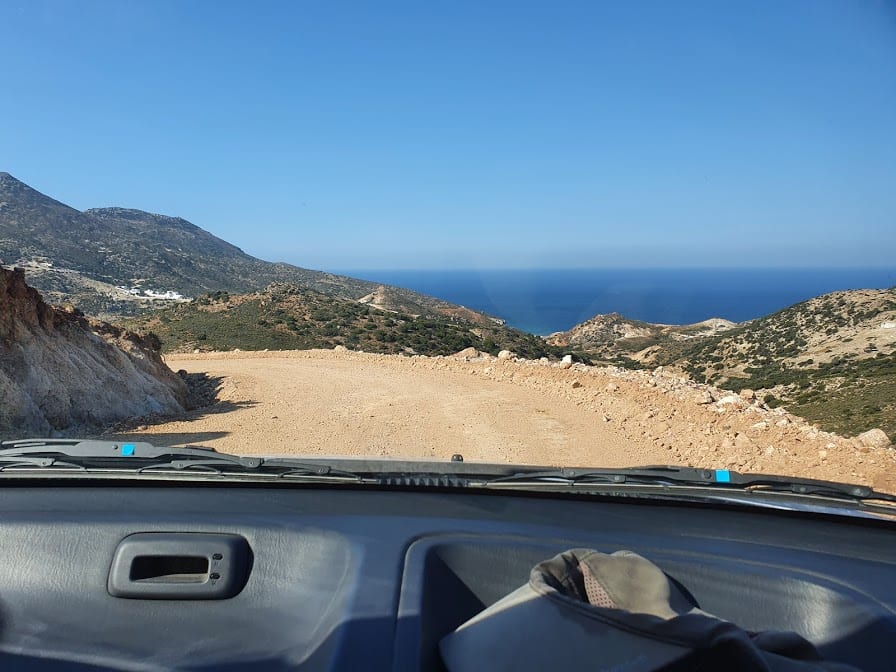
{"points": [[343, 403]]}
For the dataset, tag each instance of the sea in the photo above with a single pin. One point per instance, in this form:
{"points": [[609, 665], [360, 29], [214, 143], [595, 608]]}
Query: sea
{"points": [[544, 301]]}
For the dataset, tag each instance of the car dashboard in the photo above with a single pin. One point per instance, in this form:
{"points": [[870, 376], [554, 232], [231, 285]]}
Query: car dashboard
{"points": [[344, 578]]}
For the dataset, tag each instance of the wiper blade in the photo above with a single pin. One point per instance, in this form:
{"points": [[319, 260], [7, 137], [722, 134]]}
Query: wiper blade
{"points": [[278, 467], [120, 452], [293, 468], [653, 475], [141, 457], [26, 462], [722, 479]]}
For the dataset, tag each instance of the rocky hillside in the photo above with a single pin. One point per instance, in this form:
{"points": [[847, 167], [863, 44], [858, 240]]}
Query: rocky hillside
{"points": [[614, 338], [62, 371], [289, 317], [120, 261], [831, 359]]}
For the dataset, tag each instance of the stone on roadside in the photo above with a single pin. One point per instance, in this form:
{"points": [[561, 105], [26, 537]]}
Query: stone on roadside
{"points": [[729, 399], [506, 354], [467, 354], [705, 398], [874, 438], [340, 348], [748, 395]]}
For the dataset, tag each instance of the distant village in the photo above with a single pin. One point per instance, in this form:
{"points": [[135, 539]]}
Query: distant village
{"points": [[150, 293]]}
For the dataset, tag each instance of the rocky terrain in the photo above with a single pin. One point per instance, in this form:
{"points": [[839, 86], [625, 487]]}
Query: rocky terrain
{"points": [[61, 371], [504, 409], [615, 338], [660, 396], [104, 260], [831, 359], [285, 316]]}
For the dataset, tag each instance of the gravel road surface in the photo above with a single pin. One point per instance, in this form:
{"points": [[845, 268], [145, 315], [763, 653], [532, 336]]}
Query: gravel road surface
{"points": [[322, 402]]}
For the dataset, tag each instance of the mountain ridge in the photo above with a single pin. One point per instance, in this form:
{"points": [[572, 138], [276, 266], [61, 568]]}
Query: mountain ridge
{"points": [[93, 258]]}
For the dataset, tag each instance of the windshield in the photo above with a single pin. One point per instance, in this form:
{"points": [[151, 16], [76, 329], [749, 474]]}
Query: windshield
{"points": [[579, 234]]}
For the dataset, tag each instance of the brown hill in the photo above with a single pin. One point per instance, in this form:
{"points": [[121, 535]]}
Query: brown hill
{"points": [[831, 359], [287, 317], [60, 370], [612, 337]]}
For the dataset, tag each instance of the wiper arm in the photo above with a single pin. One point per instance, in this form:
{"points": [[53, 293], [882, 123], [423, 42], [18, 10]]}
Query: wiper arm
{"points": [[278, 467], [146, 458], [293, 468], [89, 449], [723, 479], [653, 475], [28, 462]]}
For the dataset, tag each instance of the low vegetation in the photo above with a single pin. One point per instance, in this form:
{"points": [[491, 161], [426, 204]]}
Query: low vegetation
{"points": [[290, 317], [829, 359]]}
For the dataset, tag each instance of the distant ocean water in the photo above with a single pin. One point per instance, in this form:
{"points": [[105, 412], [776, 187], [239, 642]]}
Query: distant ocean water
{"points": [[545, 301]]}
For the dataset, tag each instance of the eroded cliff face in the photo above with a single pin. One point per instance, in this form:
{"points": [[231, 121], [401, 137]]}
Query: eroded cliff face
{"points": [[63, 372]]}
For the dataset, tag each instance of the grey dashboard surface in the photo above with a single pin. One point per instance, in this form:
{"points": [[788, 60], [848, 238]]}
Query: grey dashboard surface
{"points": [[357, 580]]}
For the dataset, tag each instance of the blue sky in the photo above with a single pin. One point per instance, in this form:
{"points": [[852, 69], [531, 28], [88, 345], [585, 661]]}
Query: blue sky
{"points": [[383, 134]]}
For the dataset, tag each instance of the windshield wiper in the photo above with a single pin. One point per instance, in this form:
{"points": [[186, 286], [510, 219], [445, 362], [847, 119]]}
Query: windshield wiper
{"points": [[722, 479], [141, 457], [89, 450]]}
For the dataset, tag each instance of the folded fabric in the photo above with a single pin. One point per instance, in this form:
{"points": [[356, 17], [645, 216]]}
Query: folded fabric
{"points": [[616, 612]]}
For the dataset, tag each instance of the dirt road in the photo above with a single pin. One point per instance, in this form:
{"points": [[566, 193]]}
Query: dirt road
{"points": [[344, 403]]}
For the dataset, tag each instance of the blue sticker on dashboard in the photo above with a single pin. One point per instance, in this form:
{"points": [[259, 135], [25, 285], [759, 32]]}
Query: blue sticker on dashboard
{"points": [[723, 476], [127, 449]]}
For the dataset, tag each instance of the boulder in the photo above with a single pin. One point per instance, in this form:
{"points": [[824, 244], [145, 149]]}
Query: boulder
{"points": [[506, 354], [729, 399], [566, 362], [874, 438], [705, 398]]}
